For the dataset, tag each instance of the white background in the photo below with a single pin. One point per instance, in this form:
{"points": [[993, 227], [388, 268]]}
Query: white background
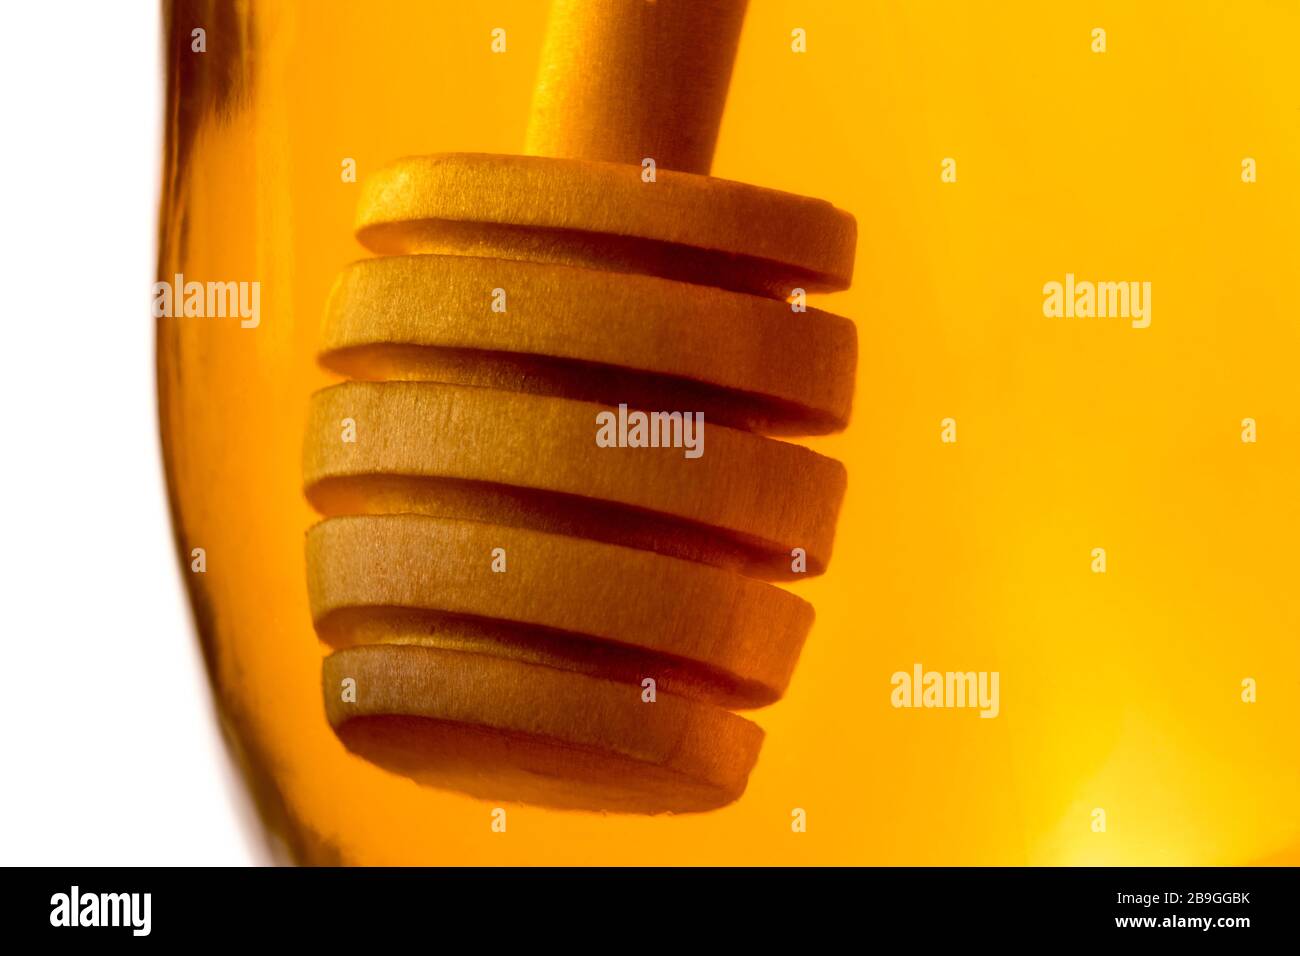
{"points": [[109, 753]]}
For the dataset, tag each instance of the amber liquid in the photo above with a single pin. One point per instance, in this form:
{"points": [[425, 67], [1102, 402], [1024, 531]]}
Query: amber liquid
{"points": [[1119, 691]]}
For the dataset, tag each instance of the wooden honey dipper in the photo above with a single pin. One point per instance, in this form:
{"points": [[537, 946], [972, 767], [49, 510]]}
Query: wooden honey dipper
{"points": [[496, 587]]}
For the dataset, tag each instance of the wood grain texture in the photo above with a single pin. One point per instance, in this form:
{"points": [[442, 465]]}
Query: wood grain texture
{"points": [[624, 79], [505, 729], [579, 333], [714, 633], [602, 215], [768, 496], [476, 429]]}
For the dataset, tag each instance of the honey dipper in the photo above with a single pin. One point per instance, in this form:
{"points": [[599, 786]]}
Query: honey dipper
{"points": [[515, 611]]}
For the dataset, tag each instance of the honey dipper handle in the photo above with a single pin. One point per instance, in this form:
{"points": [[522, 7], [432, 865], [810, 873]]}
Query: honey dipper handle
{"points": [[622, 80]]}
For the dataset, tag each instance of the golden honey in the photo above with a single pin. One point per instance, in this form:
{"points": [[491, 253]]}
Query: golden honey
{"points": [[1120, 691]]}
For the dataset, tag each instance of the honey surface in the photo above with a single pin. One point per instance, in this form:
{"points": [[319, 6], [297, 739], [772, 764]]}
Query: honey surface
{"points": [[1119, 690]]}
